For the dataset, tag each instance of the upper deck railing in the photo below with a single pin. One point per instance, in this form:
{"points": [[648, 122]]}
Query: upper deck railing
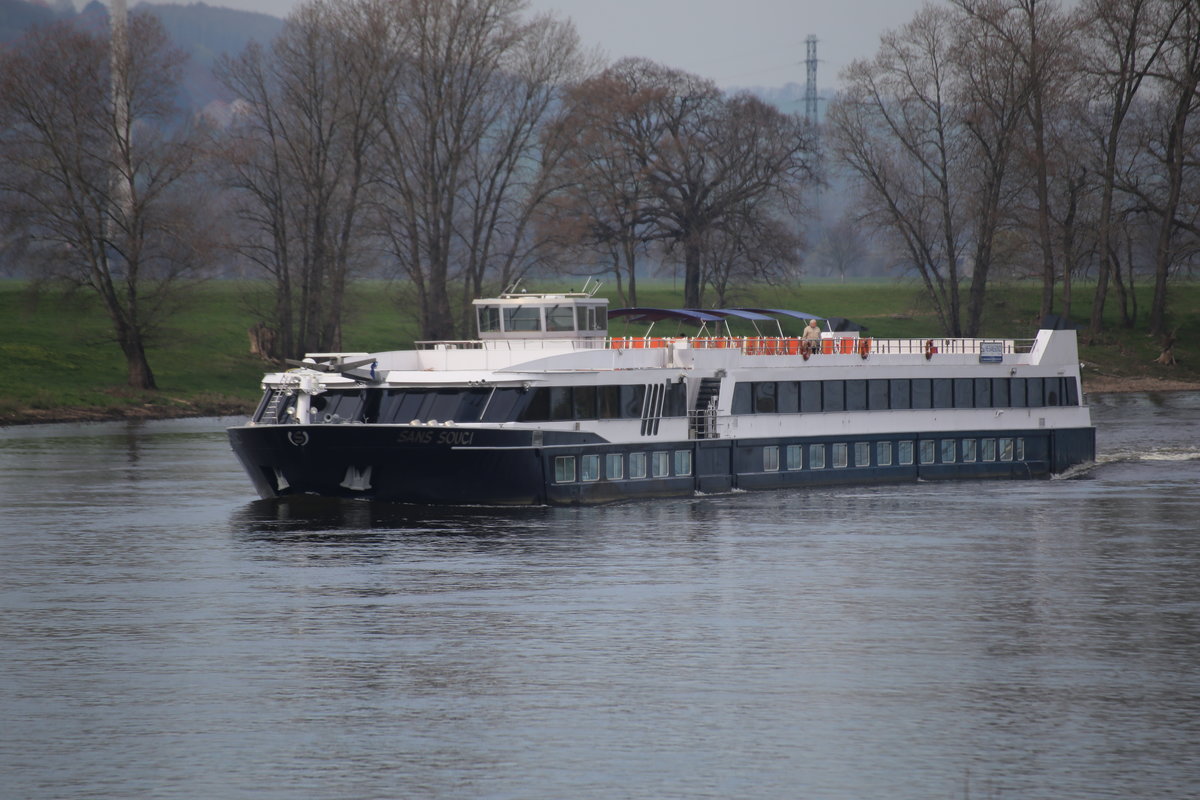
{"points": [[751, 345]]}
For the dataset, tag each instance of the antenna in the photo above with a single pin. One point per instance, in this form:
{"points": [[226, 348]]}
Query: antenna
{"points": [[810, 87]]}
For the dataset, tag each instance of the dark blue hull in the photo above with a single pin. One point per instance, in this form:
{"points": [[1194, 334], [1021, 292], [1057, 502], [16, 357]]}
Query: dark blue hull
{"points": [[460, 466]]}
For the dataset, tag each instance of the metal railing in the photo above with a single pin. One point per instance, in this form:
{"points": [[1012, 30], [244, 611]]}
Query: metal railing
{"points": [[749, 345]]}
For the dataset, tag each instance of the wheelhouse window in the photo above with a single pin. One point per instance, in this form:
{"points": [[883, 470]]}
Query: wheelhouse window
{"points": [[523, 318], [614, 466], [637, 465], [489, 319], [560, 318], [336, 406], [589, 467], [771, 458], [564, 469], [764, 397]]}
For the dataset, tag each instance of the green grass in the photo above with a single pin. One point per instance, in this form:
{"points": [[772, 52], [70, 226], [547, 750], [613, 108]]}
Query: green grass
{"points": [[59, 356]]}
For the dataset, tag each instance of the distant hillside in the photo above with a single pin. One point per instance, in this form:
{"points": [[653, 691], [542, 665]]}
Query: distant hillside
{"points": [[202, 31]]}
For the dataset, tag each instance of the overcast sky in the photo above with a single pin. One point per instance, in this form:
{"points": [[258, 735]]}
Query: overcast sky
{"points": [[734, 42]]}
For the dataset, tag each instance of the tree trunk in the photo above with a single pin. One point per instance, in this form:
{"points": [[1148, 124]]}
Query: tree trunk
{"points": [[691, 271]]}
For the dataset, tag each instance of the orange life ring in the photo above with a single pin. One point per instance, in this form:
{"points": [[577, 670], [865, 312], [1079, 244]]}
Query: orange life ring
{"points": [[929, 349]]}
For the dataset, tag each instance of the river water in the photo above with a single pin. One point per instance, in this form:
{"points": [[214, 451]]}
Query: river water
{"points": [[165, 635]]}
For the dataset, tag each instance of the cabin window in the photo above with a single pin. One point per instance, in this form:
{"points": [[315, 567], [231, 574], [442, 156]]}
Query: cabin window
{"points": [[983, 392], [1034, 389], [810, 397], [743, 398], [787, 397], [589, 467], [489, 319], [862, 454], [561, 407], [900, 393], [501, 407], [1054, 392], [883, 454], [771, 458], [1017, 392], [336, 406], [523, 318], [816, 456], [943, 393], [841, 455], [592, 318], [904, 452], [877, 394], [1000, 387], [764, 397], [833, 395], [676, 402], [564, 469], [683, 462], [632, 400], [949, 451], [922, 393], [964, 393], [1020, 449], [608, 398], [794, 456], [1006, 449], [614, 466], [583, 398], [1072, 392], [987, 449], [661, 463], [560, 318], [856, 395], [968, 450], [928, 451], [637, 465], [538, 407]]}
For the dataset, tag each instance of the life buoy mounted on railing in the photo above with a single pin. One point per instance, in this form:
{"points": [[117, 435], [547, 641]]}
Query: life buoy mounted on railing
{"points": [[929, 349]]}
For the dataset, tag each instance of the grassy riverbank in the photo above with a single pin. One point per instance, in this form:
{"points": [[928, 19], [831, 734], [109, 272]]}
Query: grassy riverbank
{"points": [[60, 362]]}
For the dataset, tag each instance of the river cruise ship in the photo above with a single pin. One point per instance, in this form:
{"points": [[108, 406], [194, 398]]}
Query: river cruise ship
{"points": [[545, 407]]}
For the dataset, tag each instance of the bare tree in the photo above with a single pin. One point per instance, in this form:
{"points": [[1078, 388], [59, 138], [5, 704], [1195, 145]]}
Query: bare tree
{"points": [[295, 156], [1124, 40], [698, 160], [460, 164], [899, 131], [96, 171]]}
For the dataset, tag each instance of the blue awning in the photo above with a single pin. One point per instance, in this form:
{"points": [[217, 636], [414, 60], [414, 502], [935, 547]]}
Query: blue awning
{"points": [[657, 314]]}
